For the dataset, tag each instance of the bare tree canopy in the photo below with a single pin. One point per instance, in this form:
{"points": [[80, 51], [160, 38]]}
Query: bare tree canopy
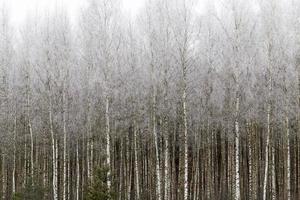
{"points": [[167, 100]]}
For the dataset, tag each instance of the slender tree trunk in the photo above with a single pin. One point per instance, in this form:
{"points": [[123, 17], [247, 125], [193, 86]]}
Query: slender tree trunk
{"points": [[14, 157], [44, 163], [196, 182], [88, 157], [268, 128], [83, 163], [3, 176], [157, 160], [77, 170], [92, 160], [298, 123], [136, 161], [88, 138], [69, 179], [29, 122], [128, 169], [56, 167], [237, 150], [121, 171], [90, 149], [64, 147], [267, 154], [288, 167], [185, 136], [250, 160], [107, 127], [273, 171], [298, 126], [167, 175], [25, 161], [53, 144], [31, 148]]}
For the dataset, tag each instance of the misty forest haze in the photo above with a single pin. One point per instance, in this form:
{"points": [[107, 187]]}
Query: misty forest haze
{"points": [[184, 100]]}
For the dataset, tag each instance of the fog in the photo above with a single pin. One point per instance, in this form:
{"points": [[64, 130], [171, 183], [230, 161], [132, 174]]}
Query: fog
{"points": [[149, 99]]}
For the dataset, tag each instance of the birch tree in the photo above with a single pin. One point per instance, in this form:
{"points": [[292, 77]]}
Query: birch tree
{"points": [[181, 100]]}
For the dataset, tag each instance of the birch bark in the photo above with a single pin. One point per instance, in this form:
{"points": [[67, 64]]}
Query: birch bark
{"points": [[136, 161], [288, 167], [107, 129], [53, 145], [237, 151], [77, 171], [64, 146]]}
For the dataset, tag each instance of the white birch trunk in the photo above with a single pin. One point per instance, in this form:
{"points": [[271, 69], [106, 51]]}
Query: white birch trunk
{"points": [[30, 133], [83, 162], [136, 161], [167, 176], [56, 167], [107, 127], [267, 155], [14, 158], [268, 131], [29, 122], [53, 145], [128, 170], [25, 161], [44, 163], [31, 148], [250, 162], [88, 157], [237, 151], [288, 167], [196, 186], [121, 171], [92, 160], [157, 168], [68, 179], [273, 173], [89, 151], [64, 147], [185, 197], [77, 171]]}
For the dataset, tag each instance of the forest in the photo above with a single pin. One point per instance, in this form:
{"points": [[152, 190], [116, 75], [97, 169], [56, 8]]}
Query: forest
{"points": [[186, 100]]}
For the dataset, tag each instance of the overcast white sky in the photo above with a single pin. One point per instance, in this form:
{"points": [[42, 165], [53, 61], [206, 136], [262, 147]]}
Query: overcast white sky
{"points": [[20, 8]]}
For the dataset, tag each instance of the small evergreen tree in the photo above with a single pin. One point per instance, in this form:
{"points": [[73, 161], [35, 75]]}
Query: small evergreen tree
{"points": [[99, 190], [31, 191]]}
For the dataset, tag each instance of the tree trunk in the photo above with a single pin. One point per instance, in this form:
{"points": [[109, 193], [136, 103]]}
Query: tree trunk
{"points": [[250, 161], [25, 161], [273, 171], [14, 157], [31, 148], [121, 170], [77, 171], [92, 159], [53, 144], [157, 160], [3, 176], [185, 136], [64, 146], [44, 164], [167, 175], [267, 154], [107, 129], [237, 151], [288, 167], [128, 169], [136, 162]]}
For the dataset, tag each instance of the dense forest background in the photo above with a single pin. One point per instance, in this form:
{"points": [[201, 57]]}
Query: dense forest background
{"points": [[186, 100]]}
